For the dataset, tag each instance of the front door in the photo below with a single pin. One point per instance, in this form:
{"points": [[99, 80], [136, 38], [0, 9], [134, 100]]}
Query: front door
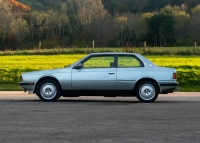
{"points": [[98, 73]]}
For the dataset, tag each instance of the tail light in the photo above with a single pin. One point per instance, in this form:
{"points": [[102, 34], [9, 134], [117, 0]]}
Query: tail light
{"points": [[174, 75]]}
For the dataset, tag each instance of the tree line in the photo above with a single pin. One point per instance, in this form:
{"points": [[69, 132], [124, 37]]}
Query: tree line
{"points": [[76, 23], [117, 6]]}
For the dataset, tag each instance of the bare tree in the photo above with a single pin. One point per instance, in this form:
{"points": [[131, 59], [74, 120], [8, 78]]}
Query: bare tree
{"points": [[51, 17], [63, 25], [182, 30], [6, 18], [20, 29], [194, 24], [91, 15], [128, 28], [35, 22], [194, 27], [63, 20]]}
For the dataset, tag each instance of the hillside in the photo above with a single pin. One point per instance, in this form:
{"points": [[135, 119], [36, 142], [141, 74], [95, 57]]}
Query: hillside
{"points": [[110, 23], [115, 6], [43, 4]]}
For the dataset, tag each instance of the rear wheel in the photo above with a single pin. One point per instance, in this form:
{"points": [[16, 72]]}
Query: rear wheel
{"points": [[147, 91], [48, 90]]}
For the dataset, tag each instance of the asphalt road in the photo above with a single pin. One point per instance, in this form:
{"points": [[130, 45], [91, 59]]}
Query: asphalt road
{"points": [[171, 118]]}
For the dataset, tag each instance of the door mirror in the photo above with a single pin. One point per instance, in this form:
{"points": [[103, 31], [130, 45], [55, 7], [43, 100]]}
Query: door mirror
{"points": [[78, 66]]}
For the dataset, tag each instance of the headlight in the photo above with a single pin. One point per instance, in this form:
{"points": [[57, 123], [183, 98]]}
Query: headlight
{"points": [[21, 78]]}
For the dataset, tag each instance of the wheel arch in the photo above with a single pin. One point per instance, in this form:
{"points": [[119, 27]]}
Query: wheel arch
{"points": [[147, 79], [46, 78]]}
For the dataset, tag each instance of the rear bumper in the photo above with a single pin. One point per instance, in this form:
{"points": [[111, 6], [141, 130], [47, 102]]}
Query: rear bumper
{"points": [[168, 87], [169, 84]]}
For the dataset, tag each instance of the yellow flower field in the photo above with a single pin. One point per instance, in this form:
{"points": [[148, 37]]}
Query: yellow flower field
{"points": [[188, 67]]}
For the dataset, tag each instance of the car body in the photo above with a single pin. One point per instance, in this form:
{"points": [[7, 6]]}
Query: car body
{"points": [[108, 74]]}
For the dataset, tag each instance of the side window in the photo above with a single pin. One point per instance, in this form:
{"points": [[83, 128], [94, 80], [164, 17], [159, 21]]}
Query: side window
{"points": [[128, 61], [99, 62]]}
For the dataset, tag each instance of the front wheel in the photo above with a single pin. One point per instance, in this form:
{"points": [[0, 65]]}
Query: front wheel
{"points": [[48, 90], [147, 91]]}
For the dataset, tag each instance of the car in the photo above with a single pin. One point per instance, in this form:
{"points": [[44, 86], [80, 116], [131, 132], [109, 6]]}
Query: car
{"points": [[108, 74]]}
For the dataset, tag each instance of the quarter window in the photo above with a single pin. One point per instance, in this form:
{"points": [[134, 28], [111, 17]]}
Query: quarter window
{"points": [[128, 61]]}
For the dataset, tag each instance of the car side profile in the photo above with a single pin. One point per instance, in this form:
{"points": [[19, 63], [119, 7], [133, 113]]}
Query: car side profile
{"points": [[103, 74]]}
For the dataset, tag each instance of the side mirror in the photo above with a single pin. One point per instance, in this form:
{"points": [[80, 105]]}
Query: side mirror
{"points": [[78, 66]]}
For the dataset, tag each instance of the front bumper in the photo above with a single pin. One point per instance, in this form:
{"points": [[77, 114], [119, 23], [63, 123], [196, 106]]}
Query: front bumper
{"points": [[27, 86]]}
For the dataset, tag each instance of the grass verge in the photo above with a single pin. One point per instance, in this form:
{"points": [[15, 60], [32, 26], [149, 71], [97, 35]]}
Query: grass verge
{"points": [[148, 51], [10, 87]]}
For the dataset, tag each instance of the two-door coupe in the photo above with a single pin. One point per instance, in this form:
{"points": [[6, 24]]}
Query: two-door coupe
{"points": [[103, 74]]}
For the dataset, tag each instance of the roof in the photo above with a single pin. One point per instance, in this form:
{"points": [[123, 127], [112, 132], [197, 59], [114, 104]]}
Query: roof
{"points": [[105, 53]]}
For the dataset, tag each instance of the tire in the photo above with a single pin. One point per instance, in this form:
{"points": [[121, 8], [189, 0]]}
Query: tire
{"points": [[147, 91], [48, 90]]}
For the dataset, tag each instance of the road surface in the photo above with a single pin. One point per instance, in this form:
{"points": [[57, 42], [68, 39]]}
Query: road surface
{"points": [[171, 118]]}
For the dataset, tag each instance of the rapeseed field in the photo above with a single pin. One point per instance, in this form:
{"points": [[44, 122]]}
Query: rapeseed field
{"points": [[188, 67]]}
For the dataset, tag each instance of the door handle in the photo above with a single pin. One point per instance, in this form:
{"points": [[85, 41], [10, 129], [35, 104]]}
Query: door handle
{"points": [[111, 73]]}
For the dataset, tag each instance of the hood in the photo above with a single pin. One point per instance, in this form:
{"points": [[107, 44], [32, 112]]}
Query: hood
{"points": [[60, 70]]}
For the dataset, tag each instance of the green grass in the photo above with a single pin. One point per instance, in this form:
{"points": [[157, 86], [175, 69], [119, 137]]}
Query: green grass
{"points": [[10, 87], [148, 51], [11, 66], [189, 88]]}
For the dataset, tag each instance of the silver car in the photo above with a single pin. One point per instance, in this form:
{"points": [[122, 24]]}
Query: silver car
{"points": [[103, 74]]}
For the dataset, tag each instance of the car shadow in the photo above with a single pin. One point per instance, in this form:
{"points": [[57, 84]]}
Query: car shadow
{"points": [[92, 101]]}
